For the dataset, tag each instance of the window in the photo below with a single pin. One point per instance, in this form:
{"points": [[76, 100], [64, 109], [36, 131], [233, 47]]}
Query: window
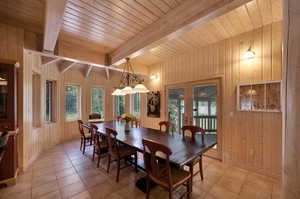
{"points": [[36, 100], [136, 105], [50, 101], [119, 105], [72, 102], [97, 101]]}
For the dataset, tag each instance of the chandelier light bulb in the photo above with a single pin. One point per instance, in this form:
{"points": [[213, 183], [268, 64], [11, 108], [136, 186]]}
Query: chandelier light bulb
{"points": [[140, 88]]}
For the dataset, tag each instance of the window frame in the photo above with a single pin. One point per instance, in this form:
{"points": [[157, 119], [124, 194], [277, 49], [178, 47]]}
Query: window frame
{"points": [[132, 104], [78, 104], [91, 100], [53, 117]]}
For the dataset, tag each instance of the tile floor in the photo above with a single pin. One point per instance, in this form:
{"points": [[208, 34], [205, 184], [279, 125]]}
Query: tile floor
{"points": [[63, 172]]}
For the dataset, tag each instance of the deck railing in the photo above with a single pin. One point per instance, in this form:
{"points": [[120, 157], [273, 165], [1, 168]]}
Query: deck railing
{"points": [[208, 123]]}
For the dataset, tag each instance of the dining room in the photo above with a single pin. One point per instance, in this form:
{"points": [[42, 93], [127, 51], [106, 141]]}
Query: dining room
{"points": [[149, 99]]}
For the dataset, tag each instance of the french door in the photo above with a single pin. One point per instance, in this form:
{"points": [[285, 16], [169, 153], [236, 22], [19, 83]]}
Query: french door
{"points": [[197, 103]]}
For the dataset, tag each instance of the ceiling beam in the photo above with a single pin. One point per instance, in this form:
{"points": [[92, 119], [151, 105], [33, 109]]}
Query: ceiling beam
{"points": [[49, 60], [115, 68], [107, 74], [179, 20], [88, 71], [65, 66], [53, 19]]}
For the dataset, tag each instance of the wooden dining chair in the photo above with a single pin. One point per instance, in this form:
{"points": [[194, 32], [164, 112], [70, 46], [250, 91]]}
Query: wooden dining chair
{"points": [[100, 144], [160, 172], [193, 130], [118, 151], [85, 138], [135, 123], [166, 125]]}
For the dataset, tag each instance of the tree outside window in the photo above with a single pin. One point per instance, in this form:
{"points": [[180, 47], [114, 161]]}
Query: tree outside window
{"points": [[136, 105], [119, 105], [72, 102], [97, 101]]}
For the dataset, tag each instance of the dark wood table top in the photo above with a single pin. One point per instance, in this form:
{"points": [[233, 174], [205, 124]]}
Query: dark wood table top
{"points": [[184, 151]]}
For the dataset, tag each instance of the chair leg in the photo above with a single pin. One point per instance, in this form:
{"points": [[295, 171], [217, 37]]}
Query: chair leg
{"points": [[98, 163], [170, 193], [192, 175], [80, 144], [118, 170], [148, 188], [188, 187], [201, 168], [83, 147], [135, 162], [93, 154], [108, 163]]}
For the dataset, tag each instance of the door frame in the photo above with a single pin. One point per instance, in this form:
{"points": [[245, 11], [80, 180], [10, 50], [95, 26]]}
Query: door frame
{"points": [[188, 96]]}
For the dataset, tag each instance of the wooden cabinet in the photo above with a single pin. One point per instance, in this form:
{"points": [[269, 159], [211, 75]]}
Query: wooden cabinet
{"points": [[8, 96], [9, 163]]}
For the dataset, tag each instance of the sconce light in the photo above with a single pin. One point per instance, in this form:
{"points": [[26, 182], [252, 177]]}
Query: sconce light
{"points": [[153, 77], [249, 54]]}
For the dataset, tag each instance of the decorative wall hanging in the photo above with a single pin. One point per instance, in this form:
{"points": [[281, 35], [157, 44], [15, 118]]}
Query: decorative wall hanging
{"points": [[259, 97], [153, 104]]}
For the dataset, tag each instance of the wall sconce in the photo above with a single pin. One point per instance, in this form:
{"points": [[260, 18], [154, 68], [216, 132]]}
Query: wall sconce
{"points": [[249, 54], [154, 77]]}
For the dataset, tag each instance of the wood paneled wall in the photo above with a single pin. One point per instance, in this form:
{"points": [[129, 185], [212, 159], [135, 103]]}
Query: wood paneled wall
{"points": [[97, 78], [251, 140], [34, 140], [37, 139]]}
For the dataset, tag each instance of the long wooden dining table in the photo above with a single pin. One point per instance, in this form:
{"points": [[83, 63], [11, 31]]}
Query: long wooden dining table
{"points": [[183, 151]]}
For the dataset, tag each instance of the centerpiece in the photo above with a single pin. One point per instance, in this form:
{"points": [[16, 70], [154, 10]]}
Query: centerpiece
{"points": [[128, 118]]}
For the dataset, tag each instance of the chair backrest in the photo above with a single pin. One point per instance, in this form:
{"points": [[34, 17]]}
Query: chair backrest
{"points": [[166, 124], [81, 131], [156, 158], [118, 118], [135, 123], [113, 146], [94, 116], [194, 130], [94, 131], [96, 136]]}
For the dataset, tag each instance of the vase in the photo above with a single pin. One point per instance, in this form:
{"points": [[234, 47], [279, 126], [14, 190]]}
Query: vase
{"points": [[127, 128]]}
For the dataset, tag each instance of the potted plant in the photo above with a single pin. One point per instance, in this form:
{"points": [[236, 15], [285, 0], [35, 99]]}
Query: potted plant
{"points": [[128, 118]]}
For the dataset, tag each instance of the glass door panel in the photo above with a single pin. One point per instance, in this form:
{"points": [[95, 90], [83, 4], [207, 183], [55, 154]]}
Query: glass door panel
{"points": [[176, 106], [205, 107]]}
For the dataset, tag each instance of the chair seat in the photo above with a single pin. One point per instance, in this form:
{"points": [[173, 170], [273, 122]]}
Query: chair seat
{"points": [[125, 151], [88, 136], [103, 146], [179, 176]]}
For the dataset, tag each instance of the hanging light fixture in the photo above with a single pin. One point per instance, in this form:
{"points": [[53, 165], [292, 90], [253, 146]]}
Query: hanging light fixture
{"points": [[118, 92], [130, 83]]}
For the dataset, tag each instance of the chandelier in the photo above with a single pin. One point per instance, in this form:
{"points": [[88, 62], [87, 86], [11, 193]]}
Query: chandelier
{"points": [[130, 83]]}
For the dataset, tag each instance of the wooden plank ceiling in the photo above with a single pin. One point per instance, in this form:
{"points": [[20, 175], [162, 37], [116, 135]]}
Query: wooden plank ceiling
{"points": [[106, 24], [29, 14], [112, 22], [250, 16]]}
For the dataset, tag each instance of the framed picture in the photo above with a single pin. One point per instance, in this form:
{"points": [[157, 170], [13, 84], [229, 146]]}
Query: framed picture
{"points": [[153, 104], [263, 96]]}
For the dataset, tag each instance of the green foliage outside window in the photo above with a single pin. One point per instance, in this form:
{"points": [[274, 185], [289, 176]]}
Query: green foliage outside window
{"points": [[119, 105], [97, 105], [72, 102], [136, 109]]}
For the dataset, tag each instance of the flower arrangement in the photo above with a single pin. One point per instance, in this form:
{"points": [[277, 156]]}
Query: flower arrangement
{"points": [[128, 117]]}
